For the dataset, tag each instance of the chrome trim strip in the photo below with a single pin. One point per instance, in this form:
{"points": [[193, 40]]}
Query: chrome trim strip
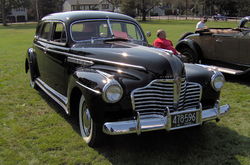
{"points": [[95, 91], [98, 60], [43, 48], [79, 61], [57, 97]]}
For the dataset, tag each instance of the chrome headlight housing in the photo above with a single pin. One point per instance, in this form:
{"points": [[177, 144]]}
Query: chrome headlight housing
{"points": [[112, 92], [217, 81]]}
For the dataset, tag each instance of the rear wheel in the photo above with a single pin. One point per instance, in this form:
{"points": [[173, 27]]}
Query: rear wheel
{"points": [[91, 131], [188, 55]]}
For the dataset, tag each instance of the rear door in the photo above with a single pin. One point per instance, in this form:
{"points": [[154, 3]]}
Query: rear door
{"points": [[56, 58], [40, 46]]}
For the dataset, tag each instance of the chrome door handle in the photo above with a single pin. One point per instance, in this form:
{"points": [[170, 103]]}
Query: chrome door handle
{"points": [[219, 40]]}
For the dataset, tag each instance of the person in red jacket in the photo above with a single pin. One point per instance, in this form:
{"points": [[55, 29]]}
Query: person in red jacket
{"points": [[162, 42]]}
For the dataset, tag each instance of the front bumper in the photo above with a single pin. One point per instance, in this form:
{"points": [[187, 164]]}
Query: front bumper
{"points": [[144, 123]]}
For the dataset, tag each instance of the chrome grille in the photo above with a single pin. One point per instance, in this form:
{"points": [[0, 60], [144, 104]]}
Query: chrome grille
{"points": [[160, 94]]}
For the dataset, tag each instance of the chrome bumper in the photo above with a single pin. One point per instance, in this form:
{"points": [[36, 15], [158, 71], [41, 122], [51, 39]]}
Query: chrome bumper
{"points": [[146, 123]]}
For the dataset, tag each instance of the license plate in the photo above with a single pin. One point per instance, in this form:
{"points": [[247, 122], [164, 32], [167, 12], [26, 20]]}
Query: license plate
{"points": [[183, 119]]}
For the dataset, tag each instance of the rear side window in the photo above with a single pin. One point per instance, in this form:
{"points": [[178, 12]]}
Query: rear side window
{"points": [[45, 33], [58, 33]]}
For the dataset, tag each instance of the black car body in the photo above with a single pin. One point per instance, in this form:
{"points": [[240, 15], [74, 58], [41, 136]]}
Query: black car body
{"points": [[114, 81], [225, 48]]}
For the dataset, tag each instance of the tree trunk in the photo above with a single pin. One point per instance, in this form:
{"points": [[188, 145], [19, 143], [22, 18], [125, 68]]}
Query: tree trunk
{"points": [[37, 11], [144, 14], [3, 12]]}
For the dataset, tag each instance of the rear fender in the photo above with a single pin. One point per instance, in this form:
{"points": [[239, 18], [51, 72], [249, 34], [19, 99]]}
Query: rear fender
{"points": [[31, 63]]}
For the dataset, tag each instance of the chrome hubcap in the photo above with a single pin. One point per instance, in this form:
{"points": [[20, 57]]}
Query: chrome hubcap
{"points": [[86, 120]]}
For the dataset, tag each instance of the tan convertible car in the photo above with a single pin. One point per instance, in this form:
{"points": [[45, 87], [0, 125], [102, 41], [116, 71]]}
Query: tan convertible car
{"points": [[227, 49]]}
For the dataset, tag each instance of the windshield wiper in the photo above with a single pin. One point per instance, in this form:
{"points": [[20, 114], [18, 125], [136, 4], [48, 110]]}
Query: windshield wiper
{"points": [[116, 39]]}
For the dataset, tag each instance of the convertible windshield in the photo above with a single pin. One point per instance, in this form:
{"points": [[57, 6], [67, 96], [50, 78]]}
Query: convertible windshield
{"points": [[101, 29]]}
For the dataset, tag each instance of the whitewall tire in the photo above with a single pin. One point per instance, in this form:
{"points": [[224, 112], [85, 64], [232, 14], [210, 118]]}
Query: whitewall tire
{"points": [[90, 130]]}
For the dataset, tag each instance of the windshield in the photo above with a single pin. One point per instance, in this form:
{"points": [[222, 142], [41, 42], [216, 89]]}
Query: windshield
{"points": [[101, 29]]}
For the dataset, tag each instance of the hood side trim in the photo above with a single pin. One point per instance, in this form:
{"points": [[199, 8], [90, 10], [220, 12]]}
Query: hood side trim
{"points": [[99, 60]]}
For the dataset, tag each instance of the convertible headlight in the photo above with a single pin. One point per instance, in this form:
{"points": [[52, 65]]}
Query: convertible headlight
{"points": [[112, 92], [217, 81]]}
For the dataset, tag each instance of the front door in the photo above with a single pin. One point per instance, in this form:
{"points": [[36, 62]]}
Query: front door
{"points": [[227, 47]]}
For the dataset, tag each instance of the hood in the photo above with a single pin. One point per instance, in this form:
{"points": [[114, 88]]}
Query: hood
{"points": [[157, 61]]}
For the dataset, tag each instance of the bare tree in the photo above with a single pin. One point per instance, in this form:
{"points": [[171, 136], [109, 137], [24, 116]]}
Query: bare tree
{"points": [[144, 6]]}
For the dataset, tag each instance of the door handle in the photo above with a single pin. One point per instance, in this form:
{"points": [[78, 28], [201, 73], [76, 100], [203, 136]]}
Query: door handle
{"points": [[219, 40]]}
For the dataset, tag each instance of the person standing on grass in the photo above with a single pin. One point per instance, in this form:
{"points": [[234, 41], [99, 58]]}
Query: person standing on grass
{"points": [[201, 25], [162, 42]]}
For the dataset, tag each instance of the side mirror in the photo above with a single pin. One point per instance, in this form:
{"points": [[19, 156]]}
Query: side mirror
{"points": [[148, 34]]}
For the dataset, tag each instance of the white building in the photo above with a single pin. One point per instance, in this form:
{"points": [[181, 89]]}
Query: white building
{"points": [[71, 5], [18, 15]]}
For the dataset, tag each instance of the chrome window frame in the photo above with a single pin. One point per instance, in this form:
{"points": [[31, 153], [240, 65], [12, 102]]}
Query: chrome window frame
{"points": [[51, 28]]}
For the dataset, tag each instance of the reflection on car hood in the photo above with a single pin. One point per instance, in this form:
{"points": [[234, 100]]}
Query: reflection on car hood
{"points": [[154, 60]]}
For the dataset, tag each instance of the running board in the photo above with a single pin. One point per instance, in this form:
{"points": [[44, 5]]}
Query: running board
{"points": [[57, 97], [225, 70]]}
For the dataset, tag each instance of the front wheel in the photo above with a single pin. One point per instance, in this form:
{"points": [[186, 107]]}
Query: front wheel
{"points": [[188, 55], [91, 131]]}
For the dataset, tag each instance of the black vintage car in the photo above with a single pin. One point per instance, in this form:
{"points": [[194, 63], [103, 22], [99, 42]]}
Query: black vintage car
{"points": [[98, 65], [227, 49]]}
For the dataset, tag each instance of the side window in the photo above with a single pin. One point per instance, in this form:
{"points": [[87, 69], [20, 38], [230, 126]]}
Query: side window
{"points": [[58, 33], [45, 31]]}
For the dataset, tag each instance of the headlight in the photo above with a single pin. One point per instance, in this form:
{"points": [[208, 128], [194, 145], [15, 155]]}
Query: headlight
{"points": [[217, 81], [112, 92]]}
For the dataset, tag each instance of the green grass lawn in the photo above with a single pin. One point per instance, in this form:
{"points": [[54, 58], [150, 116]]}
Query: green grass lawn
{"points": [[34, 130]]}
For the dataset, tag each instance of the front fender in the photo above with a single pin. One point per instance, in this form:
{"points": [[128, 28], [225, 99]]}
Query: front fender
{"points": [[198, 74], [90, 83], [190, 44]]}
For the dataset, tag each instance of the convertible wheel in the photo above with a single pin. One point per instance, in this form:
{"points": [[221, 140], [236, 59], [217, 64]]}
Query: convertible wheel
{"points": [[90, 130], [189, 56]]}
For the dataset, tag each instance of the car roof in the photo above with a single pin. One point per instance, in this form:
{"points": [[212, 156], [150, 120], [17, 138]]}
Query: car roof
{"points": [[72, 16]]}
